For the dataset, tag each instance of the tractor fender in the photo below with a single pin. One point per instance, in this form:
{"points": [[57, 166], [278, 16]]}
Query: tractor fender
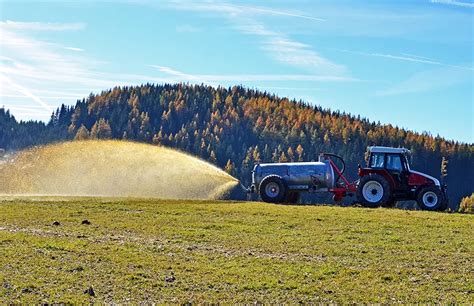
{"points": [[383, 172]]}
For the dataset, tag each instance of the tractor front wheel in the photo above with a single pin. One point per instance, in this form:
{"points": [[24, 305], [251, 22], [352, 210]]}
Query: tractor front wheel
{"points": [[431, 198], [373, 191]]}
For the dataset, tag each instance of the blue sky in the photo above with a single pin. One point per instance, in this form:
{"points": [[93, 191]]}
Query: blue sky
{"points": [[408, 63]]}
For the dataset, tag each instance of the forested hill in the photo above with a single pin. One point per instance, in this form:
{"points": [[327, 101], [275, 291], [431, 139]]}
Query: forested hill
{"points": [[236, 127]]}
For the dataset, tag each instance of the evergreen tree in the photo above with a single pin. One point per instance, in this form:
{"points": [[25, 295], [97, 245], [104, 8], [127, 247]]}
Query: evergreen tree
{"points": [[230, 168], [299, 151], [101, 130], [82, 133]]}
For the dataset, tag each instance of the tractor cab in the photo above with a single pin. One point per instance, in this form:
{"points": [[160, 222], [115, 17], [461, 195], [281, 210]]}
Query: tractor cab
{"points": [[391, 161]]}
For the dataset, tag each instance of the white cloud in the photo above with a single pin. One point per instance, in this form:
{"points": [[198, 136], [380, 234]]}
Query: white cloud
{"points": [[5, 58], [276, 45], [74, 49], [431, 80], [205, 78], [41, 26], [455, 3], [256, 9], [418, 56], [300, 55], [25, 91], [234, 9], [408, 58], [46, 74]]}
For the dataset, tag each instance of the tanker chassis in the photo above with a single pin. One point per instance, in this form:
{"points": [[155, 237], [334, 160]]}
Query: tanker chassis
{"points": [[386, 179]]}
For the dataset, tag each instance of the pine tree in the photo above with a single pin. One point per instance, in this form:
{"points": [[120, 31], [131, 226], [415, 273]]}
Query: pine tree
{"points": [[299, 151], [101, 130], [82, 133], [158, 138], [291, 155], [256, 155], [230, 168], [212, 157]]}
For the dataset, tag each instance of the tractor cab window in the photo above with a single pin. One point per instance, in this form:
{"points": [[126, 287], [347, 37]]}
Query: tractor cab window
{"points": [[377, 160], [394, 163]]}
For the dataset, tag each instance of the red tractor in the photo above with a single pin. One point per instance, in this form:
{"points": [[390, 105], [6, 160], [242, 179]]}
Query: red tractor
{"points": [[388, 179]]}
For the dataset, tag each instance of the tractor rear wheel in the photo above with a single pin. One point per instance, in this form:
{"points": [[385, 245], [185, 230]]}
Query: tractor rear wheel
{"points": [[273, 189], [431, 198], [373, 191]]}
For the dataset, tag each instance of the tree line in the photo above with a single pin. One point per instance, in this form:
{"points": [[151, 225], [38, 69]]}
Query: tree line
{"points": [[236, 127]]}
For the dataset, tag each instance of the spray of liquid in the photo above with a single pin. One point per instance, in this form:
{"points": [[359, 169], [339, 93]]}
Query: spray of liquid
{"points": [[112, 168]]}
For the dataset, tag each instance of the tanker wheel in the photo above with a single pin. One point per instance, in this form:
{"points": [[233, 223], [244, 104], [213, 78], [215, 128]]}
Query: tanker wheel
{"points": [[373, 191], [292, 197], [273, 189], [430, 198]]}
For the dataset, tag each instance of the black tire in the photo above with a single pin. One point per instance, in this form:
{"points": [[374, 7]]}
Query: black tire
{"points": [[430, 198], [381, 194], [391, 203], [292, 197], [279, 188], [444, 204]]}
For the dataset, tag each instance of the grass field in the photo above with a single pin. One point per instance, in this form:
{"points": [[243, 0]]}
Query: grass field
{"points": [[195, 251]]}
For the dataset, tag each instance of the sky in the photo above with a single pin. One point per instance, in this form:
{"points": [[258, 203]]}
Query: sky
{"points": [[407, 63]]}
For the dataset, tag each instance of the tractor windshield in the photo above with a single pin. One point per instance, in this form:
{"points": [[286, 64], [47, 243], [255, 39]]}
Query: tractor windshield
{"points": [[394, 162]]}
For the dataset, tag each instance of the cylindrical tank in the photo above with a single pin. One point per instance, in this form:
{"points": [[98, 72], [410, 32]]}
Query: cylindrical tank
{"points": [[312, 174]]}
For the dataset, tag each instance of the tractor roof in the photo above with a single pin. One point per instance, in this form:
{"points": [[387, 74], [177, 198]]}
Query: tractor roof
{"points": [[388, 150]]}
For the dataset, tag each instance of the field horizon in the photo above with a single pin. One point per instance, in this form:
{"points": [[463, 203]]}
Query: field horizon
{"points": [[86, 249]]}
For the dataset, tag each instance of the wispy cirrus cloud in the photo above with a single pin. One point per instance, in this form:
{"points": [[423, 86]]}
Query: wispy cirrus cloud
{"points": [[74, 49], [256, 9], [26, 92], [41, 26], [209, 78], [455, 3], [276, 45], [431, 80], [235, 9], [30, 66], [408, 58], [300, 55]]}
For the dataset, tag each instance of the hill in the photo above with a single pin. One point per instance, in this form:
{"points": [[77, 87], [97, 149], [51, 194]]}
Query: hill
{"points": [[81, 250], [235, 127]]}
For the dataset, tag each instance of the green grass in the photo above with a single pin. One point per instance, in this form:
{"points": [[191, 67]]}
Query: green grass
{"points": [[200, 251]]}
